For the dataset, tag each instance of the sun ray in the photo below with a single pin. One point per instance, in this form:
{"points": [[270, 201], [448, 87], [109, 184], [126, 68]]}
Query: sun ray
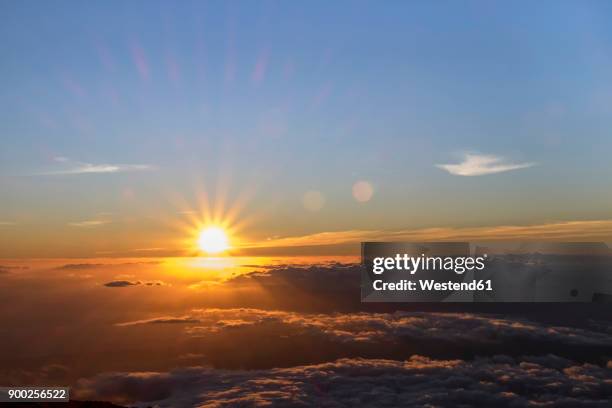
{"points": [[213, 224]]}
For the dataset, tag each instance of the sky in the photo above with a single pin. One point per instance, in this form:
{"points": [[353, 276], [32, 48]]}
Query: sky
{"points": [[120, 121]]}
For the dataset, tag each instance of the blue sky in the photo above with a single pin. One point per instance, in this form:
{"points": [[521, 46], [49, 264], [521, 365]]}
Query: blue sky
{"points": [[147, 99]]}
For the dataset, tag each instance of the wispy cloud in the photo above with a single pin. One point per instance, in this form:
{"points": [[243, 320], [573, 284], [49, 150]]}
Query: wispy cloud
{"points": [[75, 167], [570, 230], [162, 320], [482, 164], [7, 223], [88, 223]]}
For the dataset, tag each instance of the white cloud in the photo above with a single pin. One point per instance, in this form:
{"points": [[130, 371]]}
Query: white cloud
{"points": [[90, 168], [481, 164]]}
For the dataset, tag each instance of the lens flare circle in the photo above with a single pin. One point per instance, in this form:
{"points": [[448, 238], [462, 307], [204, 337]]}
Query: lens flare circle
{"points": [[213, 240]]}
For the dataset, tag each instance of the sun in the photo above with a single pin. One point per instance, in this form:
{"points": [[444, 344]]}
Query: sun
{"points": [[213, 240]]}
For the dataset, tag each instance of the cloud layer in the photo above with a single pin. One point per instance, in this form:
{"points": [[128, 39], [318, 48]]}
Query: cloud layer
{"points": [[362, 327], [254, 338], [500, 381], [291, 346], [479, 165]]}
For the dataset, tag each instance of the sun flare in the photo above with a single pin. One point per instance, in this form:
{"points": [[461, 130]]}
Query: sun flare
{"points": [[213, 240]]}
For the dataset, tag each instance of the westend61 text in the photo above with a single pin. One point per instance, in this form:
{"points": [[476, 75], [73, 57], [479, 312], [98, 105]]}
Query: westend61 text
{"points": [[432, 285]]}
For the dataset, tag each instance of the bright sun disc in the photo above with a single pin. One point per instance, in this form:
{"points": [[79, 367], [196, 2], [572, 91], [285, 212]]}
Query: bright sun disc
{"points": [[213, 240]]}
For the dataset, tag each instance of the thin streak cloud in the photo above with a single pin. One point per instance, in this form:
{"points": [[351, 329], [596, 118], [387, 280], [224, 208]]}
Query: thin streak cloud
{"points": [[88, 223], [90, 168], [480, 165], [568, 230]]}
